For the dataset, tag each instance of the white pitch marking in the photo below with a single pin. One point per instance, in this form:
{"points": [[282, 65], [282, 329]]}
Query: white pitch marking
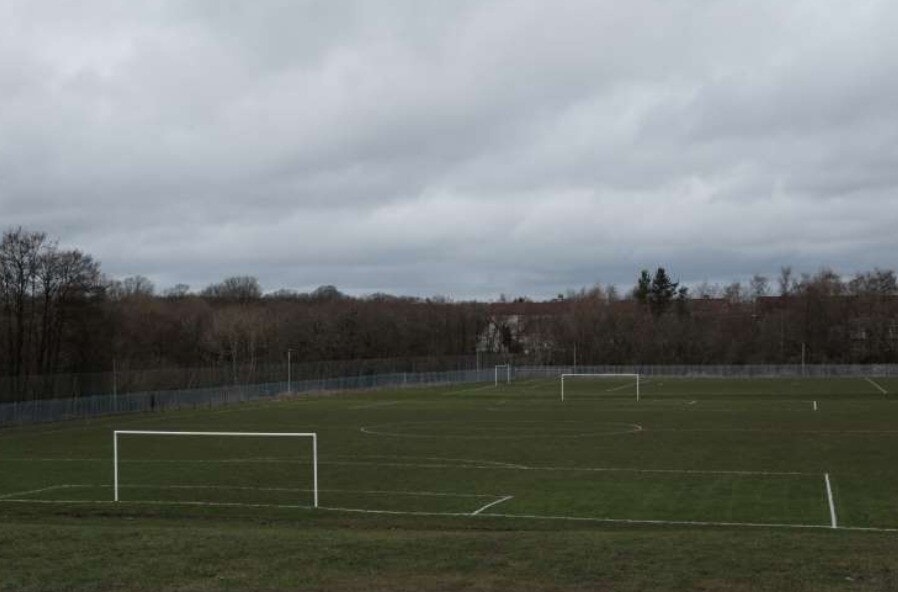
{"points": [[376, 430], [468, 390], [491, 504], [621, 387], [297, 490], [266, 489], [380, 404], [692, 402], [578, 469], [475, 461], [877, 385], [28, 460], [474, 464], [611, 520], [464, 514], [832, 506], [683, 522], [161, 503], [33, 491], [815, 405]]}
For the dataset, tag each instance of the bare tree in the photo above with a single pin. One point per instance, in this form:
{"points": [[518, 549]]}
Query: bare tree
{"points": [[240, 288], [878, 282], [758, 287], [20, 260], [38, 285], [177, 291], [785, 281]]}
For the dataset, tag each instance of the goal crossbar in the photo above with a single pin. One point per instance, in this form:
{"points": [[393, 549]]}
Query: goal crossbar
{"points": [[312, 435], [591, 375]]}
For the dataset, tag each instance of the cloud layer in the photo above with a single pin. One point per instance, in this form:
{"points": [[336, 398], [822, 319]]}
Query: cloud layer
{"points": [[454, 148]]}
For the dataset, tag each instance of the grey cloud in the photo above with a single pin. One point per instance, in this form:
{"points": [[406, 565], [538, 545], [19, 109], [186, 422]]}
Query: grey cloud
{"points": [[465, 148]]}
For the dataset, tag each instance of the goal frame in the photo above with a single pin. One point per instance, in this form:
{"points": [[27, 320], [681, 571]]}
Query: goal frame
{"points": [[599, 375], [507, 368], [312, 435]]}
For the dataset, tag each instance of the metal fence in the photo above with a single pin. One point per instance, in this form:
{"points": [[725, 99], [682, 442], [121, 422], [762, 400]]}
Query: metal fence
{"points": [[49, 410], [140, 380], [720, 371]]}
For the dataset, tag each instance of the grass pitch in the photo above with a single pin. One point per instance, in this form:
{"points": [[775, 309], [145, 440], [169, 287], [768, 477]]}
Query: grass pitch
{"points": [[703, 483]]}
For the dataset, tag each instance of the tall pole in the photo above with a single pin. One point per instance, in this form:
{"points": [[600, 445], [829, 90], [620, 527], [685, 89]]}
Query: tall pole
{"points": [[289, 390], [782, 339], [802, 357]]}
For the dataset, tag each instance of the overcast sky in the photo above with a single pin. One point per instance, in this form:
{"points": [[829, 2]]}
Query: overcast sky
{"points": [[453, 148]]}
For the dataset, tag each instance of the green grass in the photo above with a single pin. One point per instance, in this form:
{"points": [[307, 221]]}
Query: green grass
{"points": [[703, 484]]}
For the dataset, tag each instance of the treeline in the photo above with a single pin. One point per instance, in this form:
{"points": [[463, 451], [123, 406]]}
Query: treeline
{"points": [[816, 318], [60, 315]]}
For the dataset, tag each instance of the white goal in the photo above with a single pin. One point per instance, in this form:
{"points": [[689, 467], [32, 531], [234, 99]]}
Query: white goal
{"points": [[503, 371], [605, 377], [152, 433]]}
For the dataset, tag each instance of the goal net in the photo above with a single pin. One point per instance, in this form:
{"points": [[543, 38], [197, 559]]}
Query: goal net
{"points": [[599, 386], [216, 468]]}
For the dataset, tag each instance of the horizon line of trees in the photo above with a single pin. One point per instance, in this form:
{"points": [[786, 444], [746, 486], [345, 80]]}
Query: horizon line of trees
{"points": [[60, 314]]}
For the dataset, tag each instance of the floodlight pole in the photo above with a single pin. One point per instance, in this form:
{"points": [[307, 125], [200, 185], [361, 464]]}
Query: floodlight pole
{"points": [[289, 390]]}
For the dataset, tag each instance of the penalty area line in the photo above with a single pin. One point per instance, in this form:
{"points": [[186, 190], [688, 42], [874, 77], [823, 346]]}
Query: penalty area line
{"points": [[33, 491], [379, 404], [491, 504], [832, 505], [467, 390], [877, 385]]}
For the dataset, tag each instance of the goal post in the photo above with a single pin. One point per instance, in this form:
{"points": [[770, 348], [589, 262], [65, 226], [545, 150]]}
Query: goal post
{"points": [[503, 369], [312, 435], [587, 375]]}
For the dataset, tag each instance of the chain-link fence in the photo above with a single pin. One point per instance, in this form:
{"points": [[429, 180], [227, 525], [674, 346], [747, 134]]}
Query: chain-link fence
{"points": [[48, 410], [125, 379], [719, 371]]}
